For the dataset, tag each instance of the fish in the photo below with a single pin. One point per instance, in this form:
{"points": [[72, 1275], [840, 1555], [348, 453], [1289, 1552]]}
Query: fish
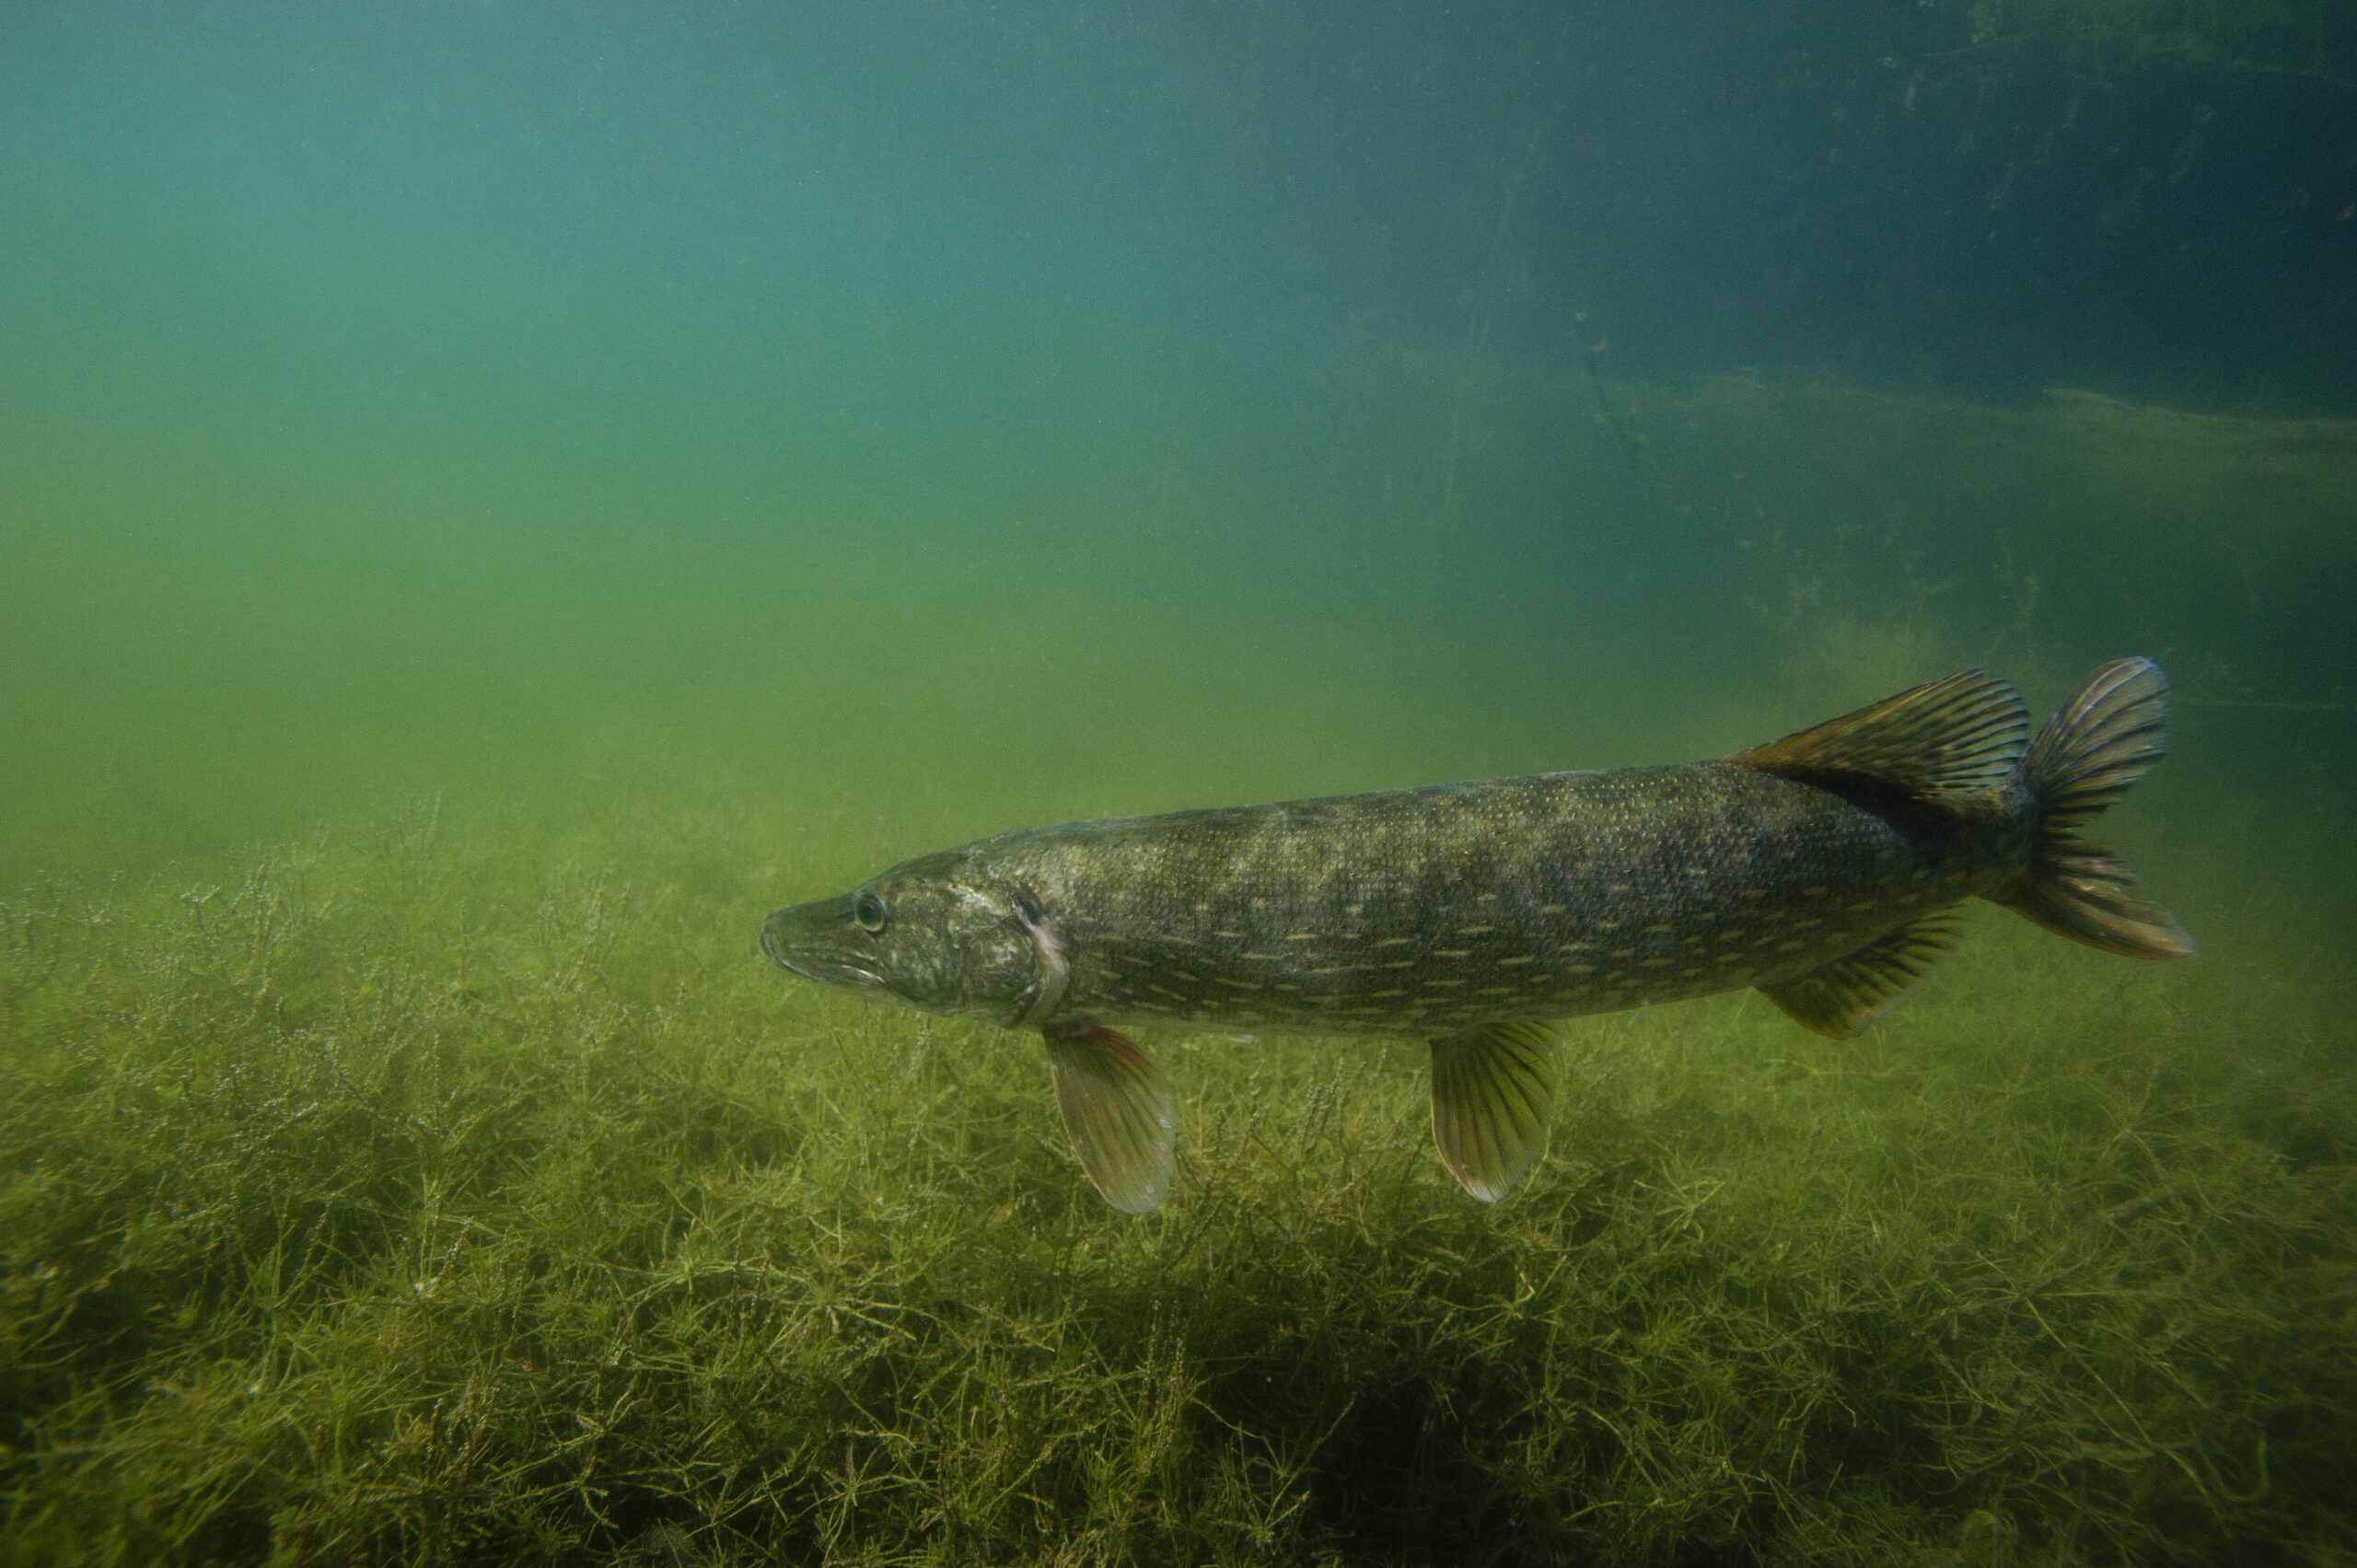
{"points": [[1825, 870]]}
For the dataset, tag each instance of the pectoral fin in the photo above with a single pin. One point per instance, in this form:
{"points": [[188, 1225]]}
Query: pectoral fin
{"points": [[1838, 999], [1494, 1093], [1118, 1111]]}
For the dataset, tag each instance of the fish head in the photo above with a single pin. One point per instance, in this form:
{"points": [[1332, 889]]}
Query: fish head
{"points": [[937, 933]]}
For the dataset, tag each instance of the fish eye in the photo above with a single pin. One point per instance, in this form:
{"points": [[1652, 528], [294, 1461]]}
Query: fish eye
{"points": [[869, 911]]}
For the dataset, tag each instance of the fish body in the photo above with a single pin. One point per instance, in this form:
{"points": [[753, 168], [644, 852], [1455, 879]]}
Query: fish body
{"points": [[1416, 912], [1822, 869]]}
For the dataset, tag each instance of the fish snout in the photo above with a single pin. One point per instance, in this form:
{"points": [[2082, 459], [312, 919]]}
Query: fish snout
{"points": [[773, 936], [809, 941]]}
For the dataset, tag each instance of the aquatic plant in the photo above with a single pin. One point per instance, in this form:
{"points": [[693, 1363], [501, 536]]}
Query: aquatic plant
{"points": [[451, 1194]]}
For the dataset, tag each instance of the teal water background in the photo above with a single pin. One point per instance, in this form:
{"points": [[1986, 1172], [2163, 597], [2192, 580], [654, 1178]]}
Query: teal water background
{"points": [[991, 415]]}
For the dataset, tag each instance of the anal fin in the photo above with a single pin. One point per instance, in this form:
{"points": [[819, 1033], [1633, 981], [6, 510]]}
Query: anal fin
{"points": [[1117, 1109], [1494, 1093], [1842, 997]]}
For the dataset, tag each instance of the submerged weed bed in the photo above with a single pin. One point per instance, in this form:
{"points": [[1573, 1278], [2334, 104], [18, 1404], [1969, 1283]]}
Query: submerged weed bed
{"points": [[409, 1200]]}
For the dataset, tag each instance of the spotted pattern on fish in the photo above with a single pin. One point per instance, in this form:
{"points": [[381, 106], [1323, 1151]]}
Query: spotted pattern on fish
{"points": [[1466, 903]]}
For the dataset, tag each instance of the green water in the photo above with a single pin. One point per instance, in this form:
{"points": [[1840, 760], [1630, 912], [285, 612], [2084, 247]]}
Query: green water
{"points": [[493, 499]]}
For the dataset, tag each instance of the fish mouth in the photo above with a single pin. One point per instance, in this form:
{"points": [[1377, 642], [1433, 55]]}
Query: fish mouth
{"points": [[789, 943], [771, 945]]}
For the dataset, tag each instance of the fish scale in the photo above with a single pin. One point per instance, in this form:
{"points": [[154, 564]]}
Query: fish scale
{"points": [[1401, 911]]}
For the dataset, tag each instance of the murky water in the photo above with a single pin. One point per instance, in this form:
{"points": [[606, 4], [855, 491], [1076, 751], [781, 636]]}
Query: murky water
{"points": [[550, 484]]}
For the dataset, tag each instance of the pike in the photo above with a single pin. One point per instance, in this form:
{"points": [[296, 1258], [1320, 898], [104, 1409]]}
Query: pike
{"points": [[1824, 869]]}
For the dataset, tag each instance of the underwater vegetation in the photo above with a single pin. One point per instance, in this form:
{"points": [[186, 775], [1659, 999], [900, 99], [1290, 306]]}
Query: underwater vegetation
{"points": [[495, 496], [449, 1192]]}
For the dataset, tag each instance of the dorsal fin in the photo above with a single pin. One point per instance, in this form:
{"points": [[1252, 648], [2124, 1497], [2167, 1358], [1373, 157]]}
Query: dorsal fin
{"points": [[1953, 736]]}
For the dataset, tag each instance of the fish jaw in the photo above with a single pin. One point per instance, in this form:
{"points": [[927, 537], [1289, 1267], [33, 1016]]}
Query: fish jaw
{"points": [[817, 942]]}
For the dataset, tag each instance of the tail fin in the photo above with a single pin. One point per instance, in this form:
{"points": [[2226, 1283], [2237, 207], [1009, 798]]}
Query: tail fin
{"points": [[2103, 740]]}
